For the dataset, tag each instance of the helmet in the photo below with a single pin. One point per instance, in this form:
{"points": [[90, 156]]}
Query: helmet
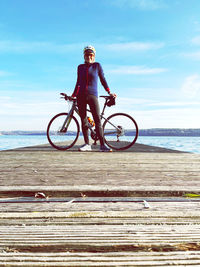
{"points": [[89, 49]]}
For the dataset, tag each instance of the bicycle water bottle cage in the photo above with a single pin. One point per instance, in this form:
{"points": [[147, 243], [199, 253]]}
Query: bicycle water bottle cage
{"points": [[111, 101]]}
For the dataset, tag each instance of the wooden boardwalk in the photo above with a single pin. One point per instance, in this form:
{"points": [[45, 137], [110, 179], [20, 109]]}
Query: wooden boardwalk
{"points": [[94, 213]]}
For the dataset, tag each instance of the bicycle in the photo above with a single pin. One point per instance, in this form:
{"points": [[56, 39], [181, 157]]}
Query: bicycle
{"points": [[120, 129]]}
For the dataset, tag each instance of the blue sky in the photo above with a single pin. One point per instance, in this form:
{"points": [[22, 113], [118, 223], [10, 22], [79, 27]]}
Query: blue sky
{"points": [[149, 50]]}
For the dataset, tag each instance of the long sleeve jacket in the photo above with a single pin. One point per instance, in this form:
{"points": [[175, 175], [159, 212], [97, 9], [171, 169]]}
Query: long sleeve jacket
{"points": [[87, 79]]}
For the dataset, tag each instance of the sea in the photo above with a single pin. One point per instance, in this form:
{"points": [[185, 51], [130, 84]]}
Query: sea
{"points": [[187, 144]]}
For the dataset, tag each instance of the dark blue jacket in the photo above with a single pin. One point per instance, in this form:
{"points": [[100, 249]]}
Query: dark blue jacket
{"points": [[87, 79]]}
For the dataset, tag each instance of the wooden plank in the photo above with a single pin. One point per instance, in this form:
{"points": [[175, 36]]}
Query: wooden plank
{"points": [[121, 263], [95, 200], [103, 214], [89, 259], [176, 207], [91, 236], [136, 255], [98, 221], [159, 171]]}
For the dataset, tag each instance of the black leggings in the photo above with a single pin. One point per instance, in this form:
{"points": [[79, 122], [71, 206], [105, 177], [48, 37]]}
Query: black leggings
{"points": [[93, 103]]}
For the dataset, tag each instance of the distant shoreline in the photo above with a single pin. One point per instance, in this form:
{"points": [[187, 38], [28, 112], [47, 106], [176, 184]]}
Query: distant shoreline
{"points": [[142, 132]]}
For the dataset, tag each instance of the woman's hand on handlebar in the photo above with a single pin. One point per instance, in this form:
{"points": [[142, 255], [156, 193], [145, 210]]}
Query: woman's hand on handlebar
{"points": [[113, 95]]}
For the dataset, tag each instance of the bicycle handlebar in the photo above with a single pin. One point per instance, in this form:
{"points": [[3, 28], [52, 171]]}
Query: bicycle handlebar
{"points": [[66, 97], [70, 98], [106, 96]]}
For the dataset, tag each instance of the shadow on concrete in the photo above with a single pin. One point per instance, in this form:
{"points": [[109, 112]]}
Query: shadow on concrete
{"points": [[136, 148]]}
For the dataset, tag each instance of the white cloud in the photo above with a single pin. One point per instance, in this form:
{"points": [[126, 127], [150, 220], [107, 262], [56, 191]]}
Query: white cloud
{"points": [[136, 70], [193, 55], [24, 47], [4, 73], [35, 109], [140, 4], [196, 25], [168, 118], [133, 46], [191, 86], [10, 46], [166, 115], [196, 54], [196, 40], [174, 104], [153, 114]]}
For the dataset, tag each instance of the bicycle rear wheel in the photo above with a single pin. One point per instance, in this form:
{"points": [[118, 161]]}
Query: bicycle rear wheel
{"points": [[60, 138], [120, 131]]}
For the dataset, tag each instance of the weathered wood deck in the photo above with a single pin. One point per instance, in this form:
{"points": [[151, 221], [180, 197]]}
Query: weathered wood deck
{"points": [[103, 231]]}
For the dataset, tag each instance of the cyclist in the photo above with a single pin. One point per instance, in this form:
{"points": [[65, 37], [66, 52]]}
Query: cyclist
{"points": [[86, 93]]}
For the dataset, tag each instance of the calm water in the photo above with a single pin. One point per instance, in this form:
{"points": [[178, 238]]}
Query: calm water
{"points": [[189, 144]]}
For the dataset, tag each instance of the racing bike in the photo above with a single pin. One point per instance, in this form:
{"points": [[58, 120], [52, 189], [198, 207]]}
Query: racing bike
{"points": [[120, 129]]}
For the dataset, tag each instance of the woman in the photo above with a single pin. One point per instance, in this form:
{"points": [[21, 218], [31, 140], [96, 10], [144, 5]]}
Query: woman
{"points": [[86, 93]]}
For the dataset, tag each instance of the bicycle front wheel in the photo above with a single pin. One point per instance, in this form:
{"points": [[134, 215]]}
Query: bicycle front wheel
{"points": [[61, 136], [120, 131]]}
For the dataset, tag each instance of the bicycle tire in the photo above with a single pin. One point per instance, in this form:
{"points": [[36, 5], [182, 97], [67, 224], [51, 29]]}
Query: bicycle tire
{"points": [[58, 140], [129, 131]]}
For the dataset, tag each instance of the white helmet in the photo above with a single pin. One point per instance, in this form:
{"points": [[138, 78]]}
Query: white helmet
{"points": [[89, 49]]}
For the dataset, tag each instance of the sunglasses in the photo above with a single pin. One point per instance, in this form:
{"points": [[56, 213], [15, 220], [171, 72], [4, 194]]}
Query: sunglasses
{"points": [[89, 55]]}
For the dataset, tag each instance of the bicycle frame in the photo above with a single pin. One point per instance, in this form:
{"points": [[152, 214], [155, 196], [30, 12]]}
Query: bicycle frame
{"points": [[74, 108]]}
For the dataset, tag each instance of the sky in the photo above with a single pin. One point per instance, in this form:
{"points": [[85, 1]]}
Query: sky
{"points": [[149, 51]]}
